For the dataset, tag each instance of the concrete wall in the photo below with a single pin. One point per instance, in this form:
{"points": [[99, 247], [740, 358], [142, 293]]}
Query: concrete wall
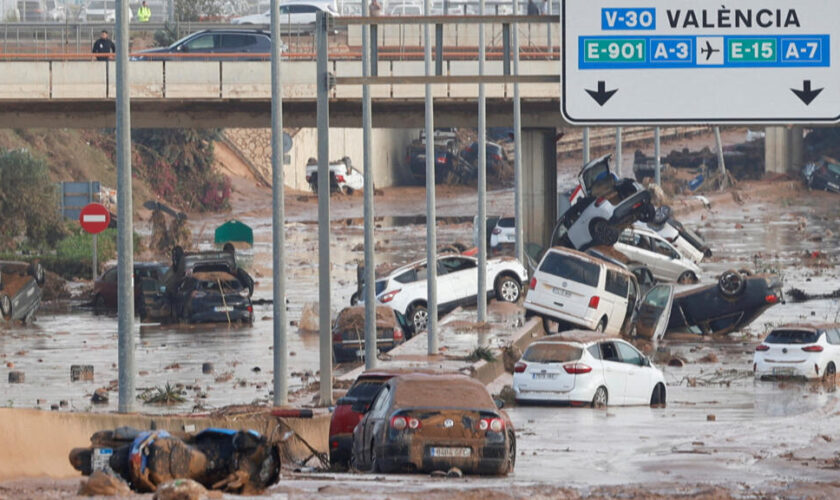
{"points": [[389, 147]]}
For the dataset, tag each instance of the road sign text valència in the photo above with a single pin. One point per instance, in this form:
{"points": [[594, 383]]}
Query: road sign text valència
{"points": [[677, 61]]}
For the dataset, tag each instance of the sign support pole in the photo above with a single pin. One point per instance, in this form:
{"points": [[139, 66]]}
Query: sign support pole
{"points": [[431, 213], [94, 266], [657, 152], [482, 183], [618, 151], [370, 242]]}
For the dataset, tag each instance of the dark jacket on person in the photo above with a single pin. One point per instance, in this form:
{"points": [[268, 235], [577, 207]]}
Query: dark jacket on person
{"points": [[103, 46], [533, 9]]}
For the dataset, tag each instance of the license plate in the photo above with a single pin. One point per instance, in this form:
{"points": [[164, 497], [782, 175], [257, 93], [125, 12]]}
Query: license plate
{"points": [[451, 452], [544, 376], [561, 292], [782, 371], [222, 309], [100, 458]]}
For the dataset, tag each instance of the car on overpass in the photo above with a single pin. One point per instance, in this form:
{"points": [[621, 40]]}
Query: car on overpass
{"points": [[214, 44], [293, 15]]}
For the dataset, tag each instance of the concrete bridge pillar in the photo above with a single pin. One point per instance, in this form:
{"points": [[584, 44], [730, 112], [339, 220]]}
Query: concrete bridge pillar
{"points": [[783, 150], [539, 184]]}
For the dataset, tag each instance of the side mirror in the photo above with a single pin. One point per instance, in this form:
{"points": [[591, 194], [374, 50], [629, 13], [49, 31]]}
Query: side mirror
{"points": [[499, 403]]}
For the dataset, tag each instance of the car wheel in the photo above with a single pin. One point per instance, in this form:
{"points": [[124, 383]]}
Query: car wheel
{"points": [[419, 317], [5, 306], [830, 375], [657, 398], [99, 302], [648, 213], [602, 232], [687, 278], [508, 289], [511, 461], [354, 299], [345, 190], [550, 326], [731, 283], [599, 400]]}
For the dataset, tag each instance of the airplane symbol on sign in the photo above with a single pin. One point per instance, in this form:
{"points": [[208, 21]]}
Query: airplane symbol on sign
{"points": [[708, 50]]}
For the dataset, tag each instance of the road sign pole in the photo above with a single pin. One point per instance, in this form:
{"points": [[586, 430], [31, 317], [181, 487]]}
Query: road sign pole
{"points": [[585, 145], [657, 153], [94, 267], [724, 182], [618, 151], [482, 182], [125, 231], [517, 147], [278, 226], [431, 211], [323, 122], [370, 243]]}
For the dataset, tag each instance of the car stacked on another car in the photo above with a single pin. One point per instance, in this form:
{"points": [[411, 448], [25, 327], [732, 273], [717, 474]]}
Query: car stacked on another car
{"points": [[607, 371], [423, 422], [799, 351], [405, 289], [20, 292], [664, 260], [601, 207], [349, 332]]}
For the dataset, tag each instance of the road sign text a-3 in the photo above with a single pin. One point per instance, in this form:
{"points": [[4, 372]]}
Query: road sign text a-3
{"points": [[680, 61]]}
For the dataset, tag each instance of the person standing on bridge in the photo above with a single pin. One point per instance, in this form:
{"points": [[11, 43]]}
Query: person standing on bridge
{"points": [[103, 45], [533, 9], [375, 9], [144, 13]]}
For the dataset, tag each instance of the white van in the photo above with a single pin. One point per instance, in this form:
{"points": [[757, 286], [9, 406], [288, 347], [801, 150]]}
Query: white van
{"points": [[572, 288], [663, 259]]}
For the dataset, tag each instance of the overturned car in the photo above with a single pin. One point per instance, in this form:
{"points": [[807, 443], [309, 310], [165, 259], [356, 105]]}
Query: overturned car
{"points": [[20, 292], [735, 301]]}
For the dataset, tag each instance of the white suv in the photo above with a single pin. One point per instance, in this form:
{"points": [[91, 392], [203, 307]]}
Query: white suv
{"points": [[404, 290], [570, 287], [661, 257]]}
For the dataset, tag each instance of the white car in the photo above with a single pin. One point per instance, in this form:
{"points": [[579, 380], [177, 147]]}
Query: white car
{"points": [[608, 371], [291, 14], [404, 290], [503, 232], [661, 257], [405, 9], [799, 351], [102, 10], [344, 178], [572, 288]]}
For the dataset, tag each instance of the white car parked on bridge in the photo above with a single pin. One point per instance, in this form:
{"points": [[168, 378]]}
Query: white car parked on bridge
{"points": [[294, 13], [661, 257], [457, 284], [608, 371]]}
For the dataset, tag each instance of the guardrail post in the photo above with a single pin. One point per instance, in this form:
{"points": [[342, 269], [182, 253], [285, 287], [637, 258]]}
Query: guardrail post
{"points": [[374, 50], [506, 48], [438, 49], [323, 121]]}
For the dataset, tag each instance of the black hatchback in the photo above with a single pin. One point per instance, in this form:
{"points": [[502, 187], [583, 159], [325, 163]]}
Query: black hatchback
{"points": [[214, 45]]}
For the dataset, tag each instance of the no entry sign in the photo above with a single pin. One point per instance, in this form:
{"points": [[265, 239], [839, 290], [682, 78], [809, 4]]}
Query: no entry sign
{"points": [[94, 218]]}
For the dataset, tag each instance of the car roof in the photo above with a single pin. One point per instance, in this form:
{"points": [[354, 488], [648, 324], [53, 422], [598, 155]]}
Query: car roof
{"points": [[423, 261], [584, 256], [807, 326], [395, 372], [477, 398], [577, 337], [237, 31]]}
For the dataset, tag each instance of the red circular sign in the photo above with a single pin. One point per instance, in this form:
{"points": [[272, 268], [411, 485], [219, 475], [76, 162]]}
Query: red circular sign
{"points": [[94, 218]]}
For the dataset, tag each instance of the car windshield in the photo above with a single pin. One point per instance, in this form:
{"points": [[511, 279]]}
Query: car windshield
{"points": [[571, 268], [365, 389], [228, 285], [507, 222], [792, 337], [595, 173], [552, 353]]}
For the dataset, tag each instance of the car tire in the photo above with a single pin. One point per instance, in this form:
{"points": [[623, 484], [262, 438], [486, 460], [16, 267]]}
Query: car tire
{"points": [[687, 278], [657, 398], [602, 232], [601, 398], [550, 326], [731, 283], [345, 190], [511, 461], [507, 289], [98, 302], [648, 213], [5, 306], [830, 375], [418, 317], [36, 270]]}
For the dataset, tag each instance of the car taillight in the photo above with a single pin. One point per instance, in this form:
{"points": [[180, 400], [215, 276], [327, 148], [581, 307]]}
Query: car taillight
{"points": [[496, 230], [399, 423], [519, 367], [441, 159], [337, 337], [637, 205], [388, 297], [594, 301], [813, 348], [577, 368], [339, 178], [398, 334], [533, 284], [771, 299], [493, 424], [599, 201], [496, 158], [762, 347], [250, 309]]}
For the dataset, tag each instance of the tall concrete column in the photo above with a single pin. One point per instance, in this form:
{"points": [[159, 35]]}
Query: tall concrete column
{"points": [[783, 150], [539, 184], [797, 149]]}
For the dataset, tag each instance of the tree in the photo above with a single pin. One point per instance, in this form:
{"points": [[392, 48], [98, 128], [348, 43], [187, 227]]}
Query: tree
{"points": [[196, 10]]}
